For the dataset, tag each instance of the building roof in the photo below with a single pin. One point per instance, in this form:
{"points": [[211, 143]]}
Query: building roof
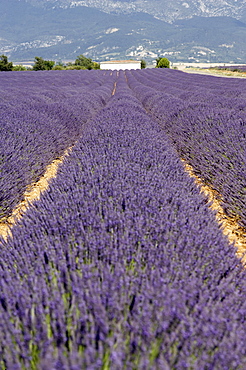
{"points": [[121, 61]]}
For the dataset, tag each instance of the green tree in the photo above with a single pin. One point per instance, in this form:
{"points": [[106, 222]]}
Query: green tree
{"points": [[42, 65], [4, 64], [96, 65], [162, 63], [84, 62], [143, 64]]}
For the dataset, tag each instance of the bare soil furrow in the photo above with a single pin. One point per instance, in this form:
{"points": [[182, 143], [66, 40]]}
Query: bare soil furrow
{"points": [[229, 226], [32, 193]]}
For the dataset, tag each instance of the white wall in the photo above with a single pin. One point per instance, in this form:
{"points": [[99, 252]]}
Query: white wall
{"points": [[118, 66]]}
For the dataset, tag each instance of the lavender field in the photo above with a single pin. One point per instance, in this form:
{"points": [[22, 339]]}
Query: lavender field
{"points": [[122, 264], [235, 68]]}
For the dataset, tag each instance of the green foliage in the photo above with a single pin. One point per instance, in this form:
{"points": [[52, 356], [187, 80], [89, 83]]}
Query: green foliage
{"points": [[84, 62], [19, 67], [58, 68], [4, 64], [75, 67], [162, 63], [87, 63], [143, 64], [96, 65], [42, 65]]}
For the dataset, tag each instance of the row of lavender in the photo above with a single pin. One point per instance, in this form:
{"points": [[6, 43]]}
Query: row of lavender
{"points": [[121, 263], [235, 68], [205, 118], [41, 115]]}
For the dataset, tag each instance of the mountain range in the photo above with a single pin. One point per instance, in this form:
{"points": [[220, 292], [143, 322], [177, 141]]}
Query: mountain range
{"points": [[184, 31]]}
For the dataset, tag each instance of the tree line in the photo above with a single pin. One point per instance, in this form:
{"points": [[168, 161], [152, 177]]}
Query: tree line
{"points": [[81, 62], [41, 64]]}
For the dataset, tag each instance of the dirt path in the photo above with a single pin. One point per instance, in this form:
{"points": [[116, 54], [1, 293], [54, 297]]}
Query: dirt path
{"points": [[114, 89], [229, 225], [32, 194]]}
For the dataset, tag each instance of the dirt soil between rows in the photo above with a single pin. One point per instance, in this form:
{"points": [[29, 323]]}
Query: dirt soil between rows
{"points": [[32, 194], [229, 226]]}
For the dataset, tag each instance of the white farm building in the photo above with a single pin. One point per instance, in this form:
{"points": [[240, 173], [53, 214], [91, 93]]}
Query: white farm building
{"points": [[121, 64]]}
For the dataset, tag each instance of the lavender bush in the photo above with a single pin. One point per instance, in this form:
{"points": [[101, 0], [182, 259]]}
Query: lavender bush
{"points": [[236, 68], [204, 117], [41, 115], [121, 263]]}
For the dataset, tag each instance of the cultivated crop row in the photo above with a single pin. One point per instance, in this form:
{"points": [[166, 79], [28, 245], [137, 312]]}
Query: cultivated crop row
{"points": [[40, 118], [232, 68], [205, 118], [121, 263]]}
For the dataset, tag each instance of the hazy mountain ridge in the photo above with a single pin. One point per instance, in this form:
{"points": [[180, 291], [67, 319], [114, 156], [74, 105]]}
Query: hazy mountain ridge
{"points": [[167, 10], [57, 31]]}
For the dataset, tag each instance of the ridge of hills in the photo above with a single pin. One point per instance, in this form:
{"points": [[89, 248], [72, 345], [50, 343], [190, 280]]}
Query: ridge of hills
{"points": [[57, 31], [167, 10]]}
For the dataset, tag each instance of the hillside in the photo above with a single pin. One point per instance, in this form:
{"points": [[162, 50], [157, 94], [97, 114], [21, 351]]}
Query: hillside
{"points": [[62, 33], [167, 10]]}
